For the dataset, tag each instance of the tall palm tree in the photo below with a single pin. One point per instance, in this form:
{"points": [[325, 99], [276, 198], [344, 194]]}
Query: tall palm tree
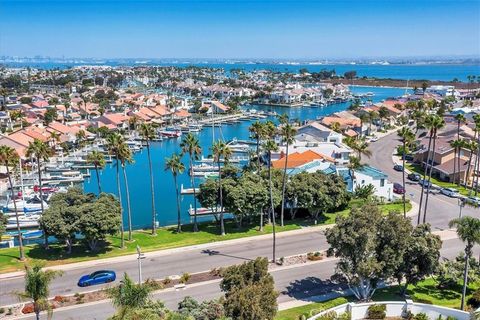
{"points": [[97, 159], [176, 167], [460, 119], [270, 146], [147, 132], [468, 230], [361, 147], [407, 137], [125, 157], [436, 124], [37, 282], [129, 296], [428, 124], [221, 151], [287, 132], [363, 119], [41, 152], [456, 145], [257, 131], [191, 145], [115, 143], [372, 115], [81, 137], [9, 158]]}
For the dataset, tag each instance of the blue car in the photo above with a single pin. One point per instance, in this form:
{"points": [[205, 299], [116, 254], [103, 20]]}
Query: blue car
{"points": [[98, 277]]}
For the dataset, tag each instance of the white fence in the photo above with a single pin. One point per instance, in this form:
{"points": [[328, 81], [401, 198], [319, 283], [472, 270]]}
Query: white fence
{"points": [[397, 309]]}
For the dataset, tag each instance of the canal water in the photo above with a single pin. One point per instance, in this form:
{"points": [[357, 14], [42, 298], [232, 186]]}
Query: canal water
{"points": [[138, 173]]}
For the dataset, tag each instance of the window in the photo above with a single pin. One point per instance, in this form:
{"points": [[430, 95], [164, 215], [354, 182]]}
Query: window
{"points": [[382, 182]]}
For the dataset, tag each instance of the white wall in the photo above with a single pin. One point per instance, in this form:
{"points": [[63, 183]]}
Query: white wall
{"points": [[396, 309]]}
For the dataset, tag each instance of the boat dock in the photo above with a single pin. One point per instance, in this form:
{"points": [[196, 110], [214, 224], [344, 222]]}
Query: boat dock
{"points": [[187, 191]]}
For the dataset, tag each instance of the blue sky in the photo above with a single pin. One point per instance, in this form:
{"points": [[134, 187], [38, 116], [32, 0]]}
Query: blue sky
{"points": [[239, 29]]}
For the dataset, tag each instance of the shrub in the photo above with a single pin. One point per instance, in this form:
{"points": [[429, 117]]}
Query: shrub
{"points": [[314, 256], [345, 316], [166, 281], [331, 315], [60, 299], [2, 310], [376, 311], [9, 312], [421, 316], [154, 285], [474, 300], [185, 277]]}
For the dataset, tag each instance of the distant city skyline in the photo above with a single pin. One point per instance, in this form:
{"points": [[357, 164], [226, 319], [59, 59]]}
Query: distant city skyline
{"points": [[229, 29]]}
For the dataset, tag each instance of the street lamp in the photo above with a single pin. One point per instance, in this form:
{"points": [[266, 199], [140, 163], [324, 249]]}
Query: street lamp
{"points": [[461, 204], [139, 258]]}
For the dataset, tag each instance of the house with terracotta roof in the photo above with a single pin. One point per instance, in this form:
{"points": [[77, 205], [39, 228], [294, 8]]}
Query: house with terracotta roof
{"points": [[113, 120], [218, 107]]}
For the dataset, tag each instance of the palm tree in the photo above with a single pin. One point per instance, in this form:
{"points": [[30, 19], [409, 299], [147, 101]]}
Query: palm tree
{"points": [[287, 132], [114, 146], [98, 160], [81, 137], [428, 124], [147, 131], [175, 165], [54, 139], [436, 124], [41, 152], [221, 150], [37, 282], [456, 145], [361, 147], [257, 130], [407, 137], [363, 119], [460, 119], [270, 146], [125, 157], [468, 230], [372, 116], [336, 127], [129, 296], [9, 158], [3, 93], [191, 145]]}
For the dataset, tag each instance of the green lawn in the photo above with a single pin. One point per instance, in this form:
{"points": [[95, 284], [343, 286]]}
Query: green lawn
{"points": [[425, 292], [443, 184], [166, 238]]}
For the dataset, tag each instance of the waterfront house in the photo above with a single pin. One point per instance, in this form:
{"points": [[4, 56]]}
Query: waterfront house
{"points": [[316, 132], [113, 120], [335, 152], [218, 107], [299, 158]]}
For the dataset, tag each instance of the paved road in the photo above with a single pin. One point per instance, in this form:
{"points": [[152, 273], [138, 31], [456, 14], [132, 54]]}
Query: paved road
{"points": [[441, 209], [306, 283]]}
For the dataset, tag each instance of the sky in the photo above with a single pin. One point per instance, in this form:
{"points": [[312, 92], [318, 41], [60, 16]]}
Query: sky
{"points": [[239, 29]]}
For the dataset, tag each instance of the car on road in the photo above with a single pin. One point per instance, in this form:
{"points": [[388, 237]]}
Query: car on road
{"points": [[97, 277], [475, 201], [374, 139], [414, 176], [398, 167], [398, 188], [408, 157], [425, 183], [451, 192]]}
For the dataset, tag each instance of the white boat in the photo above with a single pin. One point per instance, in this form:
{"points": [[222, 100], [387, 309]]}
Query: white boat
{"points": [[171, 134], [25, 219], [204, 167], [29, 205]]}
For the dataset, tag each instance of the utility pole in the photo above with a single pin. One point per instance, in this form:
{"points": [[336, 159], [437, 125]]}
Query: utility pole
{"points": [[139, 258]]}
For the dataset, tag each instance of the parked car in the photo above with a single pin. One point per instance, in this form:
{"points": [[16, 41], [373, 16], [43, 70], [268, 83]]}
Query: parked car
{"points": [[425, 183], [398, 167], [97, 277], [408, 157], [451, 192], [374, 139], [474, 201], [414, 176], [398, 188]]}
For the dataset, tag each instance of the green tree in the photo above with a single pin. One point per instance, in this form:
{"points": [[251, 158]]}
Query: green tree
{"points": [[249, 291], [208, 194], [191, 145], [270, 146], [468, 230], [9, 158], [457, 147], [221, 151], [115, 143], [148, 133], [176, 167], [369, 246], [407, 137], [98, 219], [37, 282], [421, 257], [98, 160], [40, 151], [50, 116]]}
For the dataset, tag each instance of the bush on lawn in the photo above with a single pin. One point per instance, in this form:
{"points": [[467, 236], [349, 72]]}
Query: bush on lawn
{"points": [[377, 311]]}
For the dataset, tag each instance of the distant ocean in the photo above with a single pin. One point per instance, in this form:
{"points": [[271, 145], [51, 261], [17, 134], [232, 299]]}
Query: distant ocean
{"points": [[442, 72]]}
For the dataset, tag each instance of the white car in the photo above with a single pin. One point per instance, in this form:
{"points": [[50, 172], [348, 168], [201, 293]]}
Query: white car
{"points": [[451, 192], [474, 201]]}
